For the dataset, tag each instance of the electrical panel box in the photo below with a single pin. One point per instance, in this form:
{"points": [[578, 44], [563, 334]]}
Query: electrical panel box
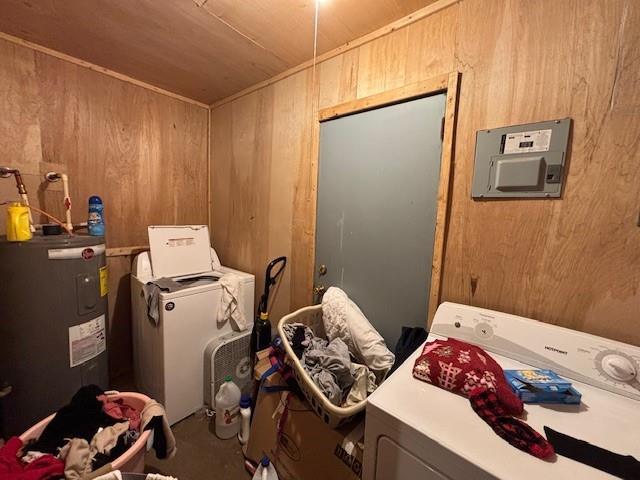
{"points": [[521, 160]]}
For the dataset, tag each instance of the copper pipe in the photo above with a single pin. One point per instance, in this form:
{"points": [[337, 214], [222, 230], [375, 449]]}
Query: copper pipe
{"points": [[6, 172]]}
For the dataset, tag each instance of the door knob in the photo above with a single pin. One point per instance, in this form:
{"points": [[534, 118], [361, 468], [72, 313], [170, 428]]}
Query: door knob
{"points": [[318, 290]]}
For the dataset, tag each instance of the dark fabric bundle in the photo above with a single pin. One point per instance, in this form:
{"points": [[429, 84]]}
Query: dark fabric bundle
{"points": [[410, 339], [80, 419]]}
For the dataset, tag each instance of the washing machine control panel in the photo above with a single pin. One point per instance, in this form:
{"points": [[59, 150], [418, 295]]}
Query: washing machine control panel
{"points": [[598, 361]]}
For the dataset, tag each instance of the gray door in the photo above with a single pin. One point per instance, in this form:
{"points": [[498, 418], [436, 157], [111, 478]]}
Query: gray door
{"points": [[377, 195]]}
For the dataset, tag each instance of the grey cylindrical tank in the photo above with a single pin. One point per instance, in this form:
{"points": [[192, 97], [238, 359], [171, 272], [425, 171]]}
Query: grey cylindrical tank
{"points": [[53, 319]]}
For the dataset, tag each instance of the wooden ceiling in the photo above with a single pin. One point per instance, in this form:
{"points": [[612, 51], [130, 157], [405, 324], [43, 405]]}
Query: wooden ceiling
{"points": [[202, 49]]}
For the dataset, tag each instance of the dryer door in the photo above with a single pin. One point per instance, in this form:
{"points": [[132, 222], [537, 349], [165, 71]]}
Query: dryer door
{"points": [[394, 462]]}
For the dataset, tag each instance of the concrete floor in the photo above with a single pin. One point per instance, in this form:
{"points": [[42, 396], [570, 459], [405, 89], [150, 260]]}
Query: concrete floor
{"points": [[200, 455]]}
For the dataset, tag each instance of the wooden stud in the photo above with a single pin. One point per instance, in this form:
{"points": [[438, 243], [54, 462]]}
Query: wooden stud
{"points": [[209, 208], [406, 92], [444, 188]]}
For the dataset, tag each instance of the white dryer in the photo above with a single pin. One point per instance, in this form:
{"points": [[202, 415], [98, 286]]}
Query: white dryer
{"points": [[417, 430], [168, 357]]}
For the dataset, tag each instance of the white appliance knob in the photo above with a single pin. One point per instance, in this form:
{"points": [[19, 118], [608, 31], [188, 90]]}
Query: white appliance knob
{"points": [[618, 367]]}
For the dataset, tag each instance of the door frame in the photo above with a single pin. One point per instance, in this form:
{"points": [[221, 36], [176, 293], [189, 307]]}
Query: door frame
{"points": [[447, 83]]}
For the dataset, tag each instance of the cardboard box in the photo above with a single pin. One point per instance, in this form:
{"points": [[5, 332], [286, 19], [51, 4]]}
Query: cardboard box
{"points": [[262, 363], [307, 448], [541, 386]]}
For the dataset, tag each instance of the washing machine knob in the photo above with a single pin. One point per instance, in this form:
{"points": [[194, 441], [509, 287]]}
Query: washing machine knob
{"points": [[484, 330], [618, 367]]}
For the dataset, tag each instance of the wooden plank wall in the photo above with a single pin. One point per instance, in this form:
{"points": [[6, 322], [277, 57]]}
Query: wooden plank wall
{"points": [[144, 153], [574, 261]]}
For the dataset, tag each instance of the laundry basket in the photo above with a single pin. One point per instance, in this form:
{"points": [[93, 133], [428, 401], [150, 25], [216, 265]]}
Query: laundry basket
{"points": [[130, 461], [331, 414]]}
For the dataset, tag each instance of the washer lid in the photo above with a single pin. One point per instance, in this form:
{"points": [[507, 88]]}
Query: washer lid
{"points": [[181, 250]]}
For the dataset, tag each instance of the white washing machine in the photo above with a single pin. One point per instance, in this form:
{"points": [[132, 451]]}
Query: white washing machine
{"points": [[417, 430], [168, 358]]}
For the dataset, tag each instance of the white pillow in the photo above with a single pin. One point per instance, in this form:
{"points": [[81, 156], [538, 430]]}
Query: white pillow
{"points": [[343, 319]]}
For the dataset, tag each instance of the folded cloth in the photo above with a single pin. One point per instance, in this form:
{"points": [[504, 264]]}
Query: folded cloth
{"points": [[119, 409], [81, 418], [466, 369], [230, 308], [154, 418], [343, 319], [41, 468], [152, 292]]}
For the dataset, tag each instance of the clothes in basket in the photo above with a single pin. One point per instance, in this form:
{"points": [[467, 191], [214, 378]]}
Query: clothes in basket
{"points": [[329, 365]]}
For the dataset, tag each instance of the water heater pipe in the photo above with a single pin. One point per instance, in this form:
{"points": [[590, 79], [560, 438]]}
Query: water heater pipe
{"points": [[6, 172], [53, 219], [54, 177]]}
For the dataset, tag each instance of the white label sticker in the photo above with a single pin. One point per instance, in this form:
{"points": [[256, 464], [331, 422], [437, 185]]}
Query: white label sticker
{"points": [[181, 242], [525, 142], [86, 341]]}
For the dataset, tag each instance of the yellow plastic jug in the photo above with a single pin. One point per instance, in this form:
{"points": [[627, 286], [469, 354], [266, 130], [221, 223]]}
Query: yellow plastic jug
{"points": [[18, 228]]}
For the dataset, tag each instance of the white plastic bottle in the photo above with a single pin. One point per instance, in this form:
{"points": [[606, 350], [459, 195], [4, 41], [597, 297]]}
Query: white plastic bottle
{"points": [[265, 471], [227, 409], [245, 419]]}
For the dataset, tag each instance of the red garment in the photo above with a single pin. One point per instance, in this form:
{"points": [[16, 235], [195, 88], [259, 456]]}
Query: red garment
{"points": [[486, 404], [11, 468], [469, 370], [118, 409]]}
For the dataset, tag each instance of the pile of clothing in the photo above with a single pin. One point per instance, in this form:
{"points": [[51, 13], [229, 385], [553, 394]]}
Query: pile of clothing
{"points": [[352, 361], [84, 437], [470, 371]]}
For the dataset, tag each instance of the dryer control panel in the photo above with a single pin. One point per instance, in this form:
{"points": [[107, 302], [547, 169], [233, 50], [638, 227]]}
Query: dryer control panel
{"points": [[597, 361]]}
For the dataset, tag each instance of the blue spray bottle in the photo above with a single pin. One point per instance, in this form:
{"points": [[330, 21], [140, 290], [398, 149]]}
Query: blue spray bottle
{"points": [[96, 216]]}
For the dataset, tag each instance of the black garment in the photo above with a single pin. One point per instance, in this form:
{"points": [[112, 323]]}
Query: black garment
{"points": [[296, 342], [410, 339], [159, 440], [80, 419], [623, 466]]}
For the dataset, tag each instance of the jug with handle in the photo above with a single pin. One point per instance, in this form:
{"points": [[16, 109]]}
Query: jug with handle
{"points": [[18, 228]]}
